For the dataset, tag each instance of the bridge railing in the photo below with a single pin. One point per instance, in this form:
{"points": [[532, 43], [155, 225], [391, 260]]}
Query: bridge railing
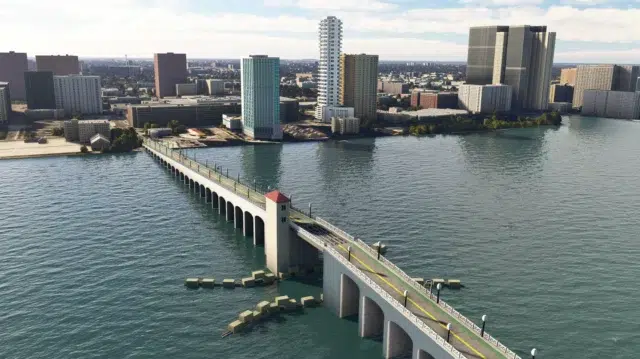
{"points": [[398, 306], [311, 237], [334, 229]]}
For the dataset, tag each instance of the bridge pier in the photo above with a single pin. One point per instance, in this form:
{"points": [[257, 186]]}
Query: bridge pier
{"points": [[247, 225], [229, 214], [396, 341], [371, 319], [238, 218], [222, 207], [214, 200]]}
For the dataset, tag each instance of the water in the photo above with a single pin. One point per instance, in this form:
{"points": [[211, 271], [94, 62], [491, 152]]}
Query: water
{"points": [[540, 225]]}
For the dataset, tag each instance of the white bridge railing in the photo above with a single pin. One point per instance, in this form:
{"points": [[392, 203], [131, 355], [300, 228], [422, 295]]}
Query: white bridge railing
{"points": [[421, 289], [399, 307]]}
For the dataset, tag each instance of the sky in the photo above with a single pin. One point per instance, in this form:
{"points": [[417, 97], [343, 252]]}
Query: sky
{"points": [[588, 31]]}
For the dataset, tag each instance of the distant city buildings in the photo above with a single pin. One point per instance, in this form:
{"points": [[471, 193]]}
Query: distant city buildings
{"points": [[78, 94], [561, 93], [604, 77], [345, 125], [40, 90], [613, 104], [518, 56], [170, 70], [485, 98], [5, 102], [358, 84], [568, 76], [432, 99], [60, 65], [393, 87], [13, 65], [330, 43], [83, 131], [190, 89], [189, 112], [260, 80], [215, 87]]}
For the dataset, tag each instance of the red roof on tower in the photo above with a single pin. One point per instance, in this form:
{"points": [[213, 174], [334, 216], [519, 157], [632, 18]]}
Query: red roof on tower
{"points": [[277, 197]]}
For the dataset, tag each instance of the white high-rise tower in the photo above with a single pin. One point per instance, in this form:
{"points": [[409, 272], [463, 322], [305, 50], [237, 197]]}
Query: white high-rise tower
{"points": [[330, 38]]}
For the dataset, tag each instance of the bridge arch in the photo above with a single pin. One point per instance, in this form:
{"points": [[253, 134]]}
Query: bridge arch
{"points": [[230, 211], [238, 217], [349, 296], [397, 342], [214, 199], [222, 208], [424, 355], [191, 183], [371, 319], [202, 191], [207, 195], [248, 224], [258, 238]]}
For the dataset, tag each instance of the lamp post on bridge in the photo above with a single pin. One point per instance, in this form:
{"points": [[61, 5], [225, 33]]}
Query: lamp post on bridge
{"points": [[349, 253], [448, 332], [484, 321], [438, 287], [255, 189], [406, 295], [227, 173], [533, 353], [310, 210], [379, 248]]}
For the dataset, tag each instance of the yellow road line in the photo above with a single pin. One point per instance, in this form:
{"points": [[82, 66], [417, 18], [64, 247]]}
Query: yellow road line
{"points": [[414, 303]]}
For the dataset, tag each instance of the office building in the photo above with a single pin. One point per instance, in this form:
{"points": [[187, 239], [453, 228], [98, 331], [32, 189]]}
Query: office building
{"points": [[189, 112], [78, 95], [612, 104], [393, 87], [604, 77], [560, 107], [5, 102], [561, 93], [260, 81], [518, 56], [345, 125], [568, 76], [232, 122], [215, 87], [89, 128], [431, 99], [289, 110], [170, 69], [190, 89], [330, 41], [39, 89], [485, 98], [13, 65], [60, 65], [358, 84]]}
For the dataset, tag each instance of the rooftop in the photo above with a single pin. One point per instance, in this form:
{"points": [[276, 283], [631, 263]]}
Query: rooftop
{"points": [[277, 197]]}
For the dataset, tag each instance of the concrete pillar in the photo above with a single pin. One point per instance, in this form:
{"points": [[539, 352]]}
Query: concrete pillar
{"points": [[349, 297], [229, 216], [238, 218], [214, 200], [258, 232], [371, 319], [247, 225], [396, 342], [222, 206], [421, 354]]}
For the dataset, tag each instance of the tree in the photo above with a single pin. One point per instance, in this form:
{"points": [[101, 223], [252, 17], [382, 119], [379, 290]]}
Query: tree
{"points": [[84, 149]]}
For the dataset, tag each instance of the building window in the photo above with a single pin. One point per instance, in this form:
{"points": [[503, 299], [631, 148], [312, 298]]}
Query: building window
{"points": [[283, 219], [283, 207]]}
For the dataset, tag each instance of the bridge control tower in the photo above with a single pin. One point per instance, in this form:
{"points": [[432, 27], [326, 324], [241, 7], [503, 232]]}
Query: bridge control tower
{"points": [[277, 241]]}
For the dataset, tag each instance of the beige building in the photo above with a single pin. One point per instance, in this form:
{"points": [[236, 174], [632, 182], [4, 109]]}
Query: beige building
{"points": [[345, 125], [604, 77], [485, 98], [358, 84], [612, 104], [568, 76]]}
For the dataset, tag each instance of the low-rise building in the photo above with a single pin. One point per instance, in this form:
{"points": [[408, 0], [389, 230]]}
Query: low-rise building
{"points": [[190, 89], [485, 98], [200, 111], [215, 87], [159, 132], [5, 103], [232, 122], [345, 125], [613, 104], [393, 87], [44, 114], [425, 115], [329, 112], [289, 110], [99, 142], [82, 131], [561, 93], [560, 107], [111, 91], [432, 99]]}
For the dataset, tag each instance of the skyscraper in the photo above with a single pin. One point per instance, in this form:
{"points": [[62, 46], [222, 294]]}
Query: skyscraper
{"points": [[568, 76], [40, 93], [358, 84], [12, 68], [78, 95], [330, 41], [260, 81], [60, 65], [170, 69], [604, 77], [519, 56]]}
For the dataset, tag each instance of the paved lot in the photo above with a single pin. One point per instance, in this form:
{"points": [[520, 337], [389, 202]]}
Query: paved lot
{"points": [[19, 149]]}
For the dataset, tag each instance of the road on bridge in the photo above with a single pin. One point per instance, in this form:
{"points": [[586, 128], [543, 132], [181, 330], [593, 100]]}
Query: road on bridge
{"points": [[470, 344]]}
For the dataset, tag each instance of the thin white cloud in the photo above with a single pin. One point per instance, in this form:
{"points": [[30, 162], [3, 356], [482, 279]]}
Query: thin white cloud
{"points": [[342, 5], [502, 2]]}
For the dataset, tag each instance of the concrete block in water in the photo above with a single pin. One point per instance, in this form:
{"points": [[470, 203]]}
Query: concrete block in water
{"points": [[309, 301], [436, 281], [454, 283], [246, 316], [248, 282], [259, 281], [256, 315], [282, 275], [322, 297], [274, 308], [282, 300], [294, 270], [257, 274], [229, 283], [235, 326], [419, 280], [208, 282], [192, 283], [269, 278], [292, 304], [263, 306]]}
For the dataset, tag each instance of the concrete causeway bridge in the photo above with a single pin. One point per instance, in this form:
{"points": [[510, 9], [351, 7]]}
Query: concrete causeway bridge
{"points": [[412, 321]]}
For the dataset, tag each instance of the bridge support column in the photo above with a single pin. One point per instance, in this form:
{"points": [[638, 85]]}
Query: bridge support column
{"points": [[396, 342], [214, 200], [371, 319], [277, 239], [421, 354], [247, 225]]}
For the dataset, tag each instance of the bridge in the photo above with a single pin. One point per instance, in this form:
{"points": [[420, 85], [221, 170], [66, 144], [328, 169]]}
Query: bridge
{"points": [[357, 281]]}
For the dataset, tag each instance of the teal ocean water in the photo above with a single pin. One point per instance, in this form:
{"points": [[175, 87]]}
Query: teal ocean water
{"points": [[541, 225]]}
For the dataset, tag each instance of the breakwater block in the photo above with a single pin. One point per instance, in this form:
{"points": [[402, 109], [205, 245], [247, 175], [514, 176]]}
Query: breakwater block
{"points": [[248, 282], [246, 316], [282, 300], [292, 304], [454, 283], [228, 283], [322, 297], [294, 270], [274, 307], [235, 326], [263, 307], [192, 283], [282, 275], [436, 281], [208, 282], [257, 274], [419, 280], [308, 302], [269, 278], [256, 315]]}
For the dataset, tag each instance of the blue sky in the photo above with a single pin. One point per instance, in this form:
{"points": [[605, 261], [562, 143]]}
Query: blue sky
{"points": [[587, 30]]}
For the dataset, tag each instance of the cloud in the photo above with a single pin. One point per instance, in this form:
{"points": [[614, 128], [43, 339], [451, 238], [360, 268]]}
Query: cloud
{"points": [[502, 2], [342, 5], [629, 56]]}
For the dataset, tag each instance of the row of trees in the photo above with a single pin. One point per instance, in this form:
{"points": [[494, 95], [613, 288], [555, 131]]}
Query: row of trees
{"points": [[467, 124]]}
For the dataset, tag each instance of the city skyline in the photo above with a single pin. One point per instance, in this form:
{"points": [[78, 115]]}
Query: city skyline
{"points": [[394, 29]]}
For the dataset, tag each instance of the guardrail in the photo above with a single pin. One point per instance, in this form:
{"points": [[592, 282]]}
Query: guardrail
{"points": [[312, 237], [399, 307], [334, 229]]}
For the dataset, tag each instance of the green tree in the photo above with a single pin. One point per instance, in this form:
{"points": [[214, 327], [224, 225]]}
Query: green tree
{"points": [[84, 149]]}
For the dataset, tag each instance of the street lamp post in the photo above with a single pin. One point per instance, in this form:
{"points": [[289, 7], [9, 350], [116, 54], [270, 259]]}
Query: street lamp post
{"points": [[310, 210], [349, 253], [406, 295], [379, 249], [448, 332], [533, 353], [484, 321], [438, 287], [255, 189]]}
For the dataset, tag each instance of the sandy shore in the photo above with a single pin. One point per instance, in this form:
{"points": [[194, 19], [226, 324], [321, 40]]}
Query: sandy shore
{"points": [[54, 147]]}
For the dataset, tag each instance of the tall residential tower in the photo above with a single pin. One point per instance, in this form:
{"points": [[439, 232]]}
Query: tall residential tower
{"points": [[170, 69], [359, 84], [518, 56], [60, 65], [260, 81], [330, 40], [604, 77], [13, 65]]}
